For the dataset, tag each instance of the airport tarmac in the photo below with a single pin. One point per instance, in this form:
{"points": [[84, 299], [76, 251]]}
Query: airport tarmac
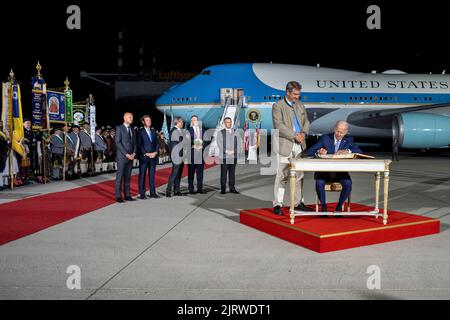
{"points": [[193, 247]]}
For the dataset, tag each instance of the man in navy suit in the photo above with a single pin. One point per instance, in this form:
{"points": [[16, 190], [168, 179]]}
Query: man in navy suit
{"points": [[197, 164], [148, 148], [177, 154], [334, 143], [126, 151]]}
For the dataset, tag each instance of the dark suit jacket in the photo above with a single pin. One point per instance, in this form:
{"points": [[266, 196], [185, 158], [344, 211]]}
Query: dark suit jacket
{"points": [[202, 133], [176, 137], [327, 142], [144, 143], [124, 144], [222, 144]]}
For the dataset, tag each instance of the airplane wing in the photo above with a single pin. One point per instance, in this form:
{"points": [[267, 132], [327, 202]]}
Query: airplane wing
{"points": [[382, 119]]}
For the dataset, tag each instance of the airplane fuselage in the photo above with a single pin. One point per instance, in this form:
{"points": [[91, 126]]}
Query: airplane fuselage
{"points": [[328, 94]]}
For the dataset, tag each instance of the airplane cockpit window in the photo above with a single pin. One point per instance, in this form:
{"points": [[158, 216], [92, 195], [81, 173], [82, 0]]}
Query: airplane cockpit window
{"points": [[206, 72]]}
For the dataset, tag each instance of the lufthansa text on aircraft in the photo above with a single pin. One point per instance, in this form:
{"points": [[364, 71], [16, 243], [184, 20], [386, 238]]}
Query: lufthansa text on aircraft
{"points": [[394, 84]]}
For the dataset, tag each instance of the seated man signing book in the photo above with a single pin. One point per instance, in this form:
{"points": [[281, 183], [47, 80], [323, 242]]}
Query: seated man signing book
{"points": [[334, 143]]}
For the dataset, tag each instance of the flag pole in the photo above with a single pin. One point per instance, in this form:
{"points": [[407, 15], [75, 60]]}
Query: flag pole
{"points": [[90, 102], [65, 153], [47, 126], [11, 168], [44, 160], [11, 135]]}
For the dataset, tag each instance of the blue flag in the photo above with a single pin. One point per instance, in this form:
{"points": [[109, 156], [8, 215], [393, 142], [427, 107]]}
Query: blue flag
{"points": [[164, 129]]}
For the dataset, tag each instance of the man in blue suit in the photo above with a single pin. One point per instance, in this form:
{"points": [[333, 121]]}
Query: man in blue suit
{"points": [[177, 154], [197, 163], [334, 143], [148, 148]]}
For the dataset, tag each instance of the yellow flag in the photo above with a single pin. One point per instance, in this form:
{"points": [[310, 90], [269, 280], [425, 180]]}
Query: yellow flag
{"points": [[6, 108], [17, 123]]}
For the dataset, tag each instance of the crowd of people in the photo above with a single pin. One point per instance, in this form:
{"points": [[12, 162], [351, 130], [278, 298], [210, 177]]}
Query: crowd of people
{"points": [[66, 152], [70, 152], [186, 147]]}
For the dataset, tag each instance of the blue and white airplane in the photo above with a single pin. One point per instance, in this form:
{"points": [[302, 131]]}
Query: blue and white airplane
{"points": [[413, 107]]}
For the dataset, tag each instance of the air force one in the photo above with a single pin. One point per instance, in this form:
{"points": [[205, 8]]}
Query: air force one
{"points": [[414, 108]]}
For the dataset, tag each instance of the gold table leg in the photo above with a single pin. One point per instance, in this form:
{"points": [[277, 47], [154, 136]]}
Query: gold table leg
{"points": [[292, 181], [377, 193], [386, 193]]}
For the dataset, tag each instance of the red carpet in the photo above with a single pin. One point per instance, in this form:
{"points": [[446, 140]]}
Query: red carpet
{"points": [[331, 234], [23, 217]]}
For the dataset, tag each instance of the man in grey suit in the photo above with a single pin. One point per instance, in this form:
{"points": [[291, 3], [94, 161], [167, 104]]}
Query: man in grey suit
{"points": [[76, 146], [99, 145], [69, 150], [57, 151], [126, 151], [290, 118], [86, 145]]}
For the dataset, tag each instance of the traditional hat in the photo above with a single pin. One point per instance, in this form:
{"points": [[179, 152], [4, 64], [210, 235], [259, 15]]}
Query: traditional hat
{"points": [[54, 129]]}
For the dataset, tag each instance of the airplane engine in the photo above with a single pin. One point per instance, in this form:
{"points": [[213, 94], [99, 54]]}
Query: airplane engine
{"points": [[418, 130]]}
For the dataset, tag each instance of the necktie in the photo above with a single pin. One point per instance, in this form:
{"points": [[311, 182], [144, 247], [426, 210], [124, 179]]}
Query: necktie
{"points": [[149, 135], [298, 127], [129, 132], [336, 146]]}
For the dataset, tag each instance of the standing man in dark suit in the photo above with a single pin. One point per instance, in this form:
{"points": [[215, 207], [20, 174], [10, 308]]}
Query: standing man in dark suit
{"points": [[148, 146], [228, 153], [177, 154], [126, 151], [334, 143], [196, 164]]}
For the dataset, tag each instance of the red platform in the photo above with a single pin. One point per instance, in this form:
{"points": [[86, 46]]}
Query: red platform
{"points": [[331, 234]]}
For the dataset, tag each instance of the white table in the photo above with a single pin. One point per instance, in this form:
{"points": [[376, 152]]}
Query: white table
{"points": [[375, 166]]}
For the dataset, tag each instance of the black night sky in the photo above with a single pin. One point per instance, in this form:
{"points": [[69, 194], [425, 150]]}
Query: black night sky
{"points": [[190, 36]]}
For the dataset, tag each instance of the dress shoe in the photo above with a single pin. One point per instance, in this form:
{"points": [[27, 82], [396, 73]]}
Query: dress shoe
{"points": [[302, 207], [277, 210], [223, 191], [142, 197], [154, 195], [338, 209], [178, 193], [168, 195], [120, 200], [130, 199], [235, 191], [324, 209], [201, 191], [192, 192]]}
